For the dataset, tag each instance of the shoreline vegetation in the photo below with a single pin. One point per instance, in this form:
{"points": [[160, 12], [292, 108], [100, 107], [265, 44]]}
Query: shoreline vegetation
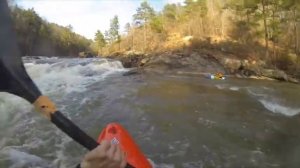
{"points": [[248, 38]]}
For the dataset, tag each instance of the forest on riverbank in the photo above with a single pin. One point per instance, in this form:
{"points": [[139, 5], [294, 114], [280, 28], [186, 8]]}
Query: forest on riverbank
{"points": [[254, 30], [38, 37]]}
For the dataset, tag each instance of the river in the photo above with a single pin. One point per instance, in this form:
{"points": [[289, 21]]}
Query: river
{"points": [[177, 120]]}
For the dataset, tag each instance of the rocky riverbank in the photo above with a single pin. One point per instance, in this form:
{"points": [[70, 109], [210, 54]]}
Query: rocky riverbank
{"points": [[202, 62]]}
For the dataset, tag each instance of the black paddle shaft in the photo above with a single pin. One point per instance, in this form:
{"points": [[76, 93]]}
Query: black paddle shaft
{"points": [[13, 76], [73, 131], [15, 80]]}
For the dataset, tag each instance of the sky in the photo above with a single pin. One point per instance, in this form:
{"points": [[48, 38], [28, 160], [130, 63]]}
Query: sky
{"points": [[88, 16]]}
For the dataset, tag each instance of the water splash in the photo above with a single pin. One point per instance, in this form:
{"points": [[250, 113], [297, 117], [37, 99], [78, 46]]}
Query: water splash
{"points": [[19, 159], [55, 77], [279, 109], [70, 75], [272, 101]]}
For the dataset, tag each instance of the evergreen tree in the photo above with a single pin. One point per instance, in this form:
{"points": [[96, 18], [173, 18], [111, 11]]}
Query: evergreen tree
{"points": [[107, 37], [100, 41], [114, 30], [127, 28], [38, 37], [143, 15], [156, 24], [170, 12]]}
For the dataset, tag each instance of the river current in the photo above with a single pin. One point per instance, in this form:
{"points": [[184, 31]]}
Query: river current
{"points": [[179, 121]]}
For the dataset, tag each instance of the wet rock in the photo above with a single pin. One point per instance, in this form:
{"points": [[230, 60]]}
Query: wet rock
{"points": [[131, 72], [293, 80], [144, 61], [131, 61], [187, 40], [260, 77], [160, 59], [231, 64], [188, 62], [248, 72], [275, 74], [199, 62]]}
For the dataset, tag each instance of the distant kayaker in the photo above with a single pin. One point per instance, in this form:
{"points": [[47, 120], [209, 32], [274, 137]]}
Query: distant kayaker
{"points": [[219, 75], [106, 155]]}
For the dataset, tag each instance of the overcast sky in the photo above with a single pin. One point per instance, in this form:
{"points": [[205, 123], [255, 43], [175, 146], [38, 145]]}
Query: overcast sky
{"points": [[87, 16]]}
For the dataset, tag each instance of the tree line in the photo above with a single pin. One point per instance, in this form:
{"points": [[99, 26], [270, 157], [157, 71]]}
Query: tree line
{"points": [[37, 37], [275, 21], [112, 37], [269, 29]]}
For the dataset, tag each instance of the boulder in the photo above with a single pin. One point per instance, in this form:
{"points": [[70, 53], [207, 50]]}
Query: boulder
{"points": [[131, 72], [293, 80], [248, 72], [144, 61], [187, 40], [275, 74], [231, 64], [129, 62]]}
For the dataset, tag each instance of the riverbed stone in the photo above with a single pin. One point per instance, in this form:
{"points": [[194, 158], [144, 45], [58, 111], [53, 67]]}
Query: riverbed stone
{"points": [[202, 62]]}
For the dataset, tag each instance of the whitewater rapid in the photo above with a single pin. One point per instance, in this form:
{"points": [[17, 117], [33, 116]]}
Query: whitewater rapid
{"points": [[68, 75], [272, 99], [56, 78], [178, 120]]}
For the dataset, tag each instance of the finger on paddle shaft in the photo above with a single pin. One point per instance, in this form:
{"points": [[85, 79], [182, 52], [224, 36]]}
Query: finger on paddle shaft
{"points": [[44, 105], [74, 132]]}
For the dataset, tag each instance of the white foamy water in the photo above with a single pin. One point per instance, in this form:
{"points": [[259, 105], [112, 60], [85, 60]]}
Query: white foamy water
{"points": [[272, 101], [269, 98], [280, 109], [221, 86], [227, 86], [197, 129], [55, 78], [234, 88], [59, 77], [22, 159], [69, 75]]}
